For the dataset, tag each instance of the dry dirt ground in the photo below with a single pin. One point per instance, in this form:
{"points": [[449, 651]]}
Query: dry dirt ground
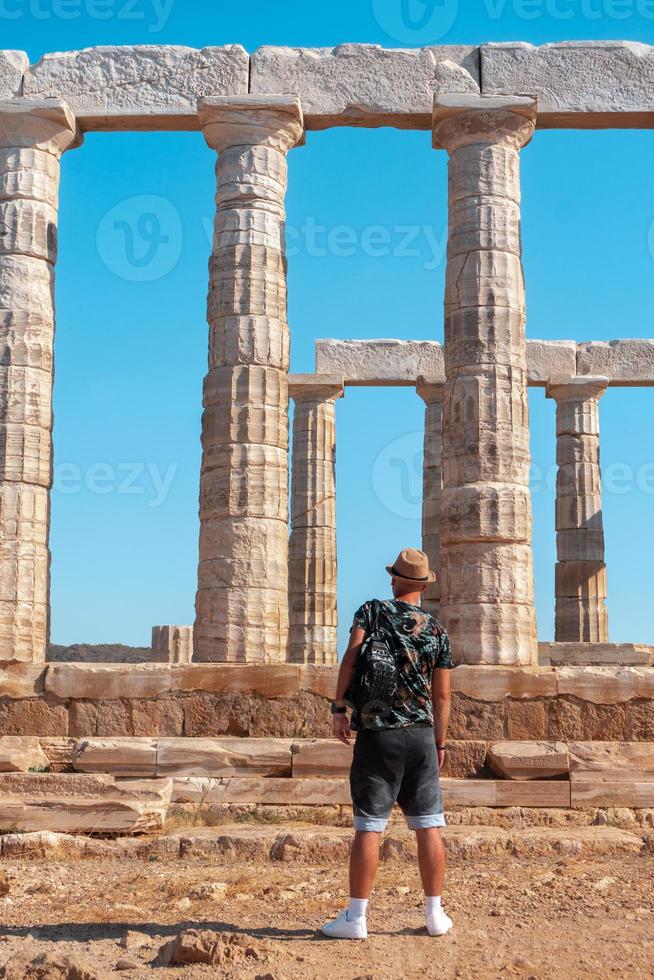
{"points": [[544, 917]]}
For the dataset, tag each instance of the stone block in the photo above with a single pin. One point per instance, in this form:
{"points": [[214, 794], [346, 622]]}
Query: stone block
{"points": [[468, 792], [529, 760], [494, 683], [145, 87], [472, 719], [321, 758], [33, 716], [606, 685], [550, 358], [125, 756], [625, 362], [630, 758], [365, 84], [20, 753], [22, 680], [465, 760], [611, 789], [547, 793], [108, 719], [379, 362], [268, 680], [283, 791], [172, 644], [319, 680], [528, 719], [13, 65], [214, 757], [600, 655], [95, 682], [577, 83]]}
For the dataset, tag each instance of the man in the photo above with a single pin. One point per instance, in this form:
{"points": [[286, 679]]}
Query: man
{"points": [[397, 756]]}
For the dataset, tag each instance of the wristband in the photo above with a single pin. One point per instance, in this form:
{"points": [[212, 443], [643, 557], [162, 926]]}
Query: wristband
{"points": [[337, 709], [441, 748]]}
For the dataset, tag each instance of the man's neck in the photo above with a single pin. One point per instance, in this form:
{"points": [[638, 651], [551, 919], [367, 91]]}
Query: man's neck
{"points": [[412, 598]]}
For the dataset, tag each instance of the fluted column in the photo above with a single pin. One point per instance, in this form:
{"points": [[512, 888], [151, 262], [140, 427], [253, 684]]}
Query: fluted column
{"points": [[580, 571], [33, 135], [242, 598], [431, 393], [487, 586], [312, 547]]}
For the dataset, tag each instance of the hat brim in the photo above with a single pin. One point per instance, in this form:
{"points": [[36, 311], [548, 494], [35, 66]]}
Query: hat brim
{"points": [[431, 577]]}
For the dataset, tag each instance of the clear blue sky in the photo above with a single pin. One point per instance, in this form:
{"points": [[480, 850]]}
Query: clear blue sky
{"points": [[132, 337]]}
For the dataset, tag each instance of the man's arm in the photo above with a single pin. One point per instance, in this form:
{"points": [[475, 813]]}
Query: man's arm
{"points": [[341, 722], [441, 693]]}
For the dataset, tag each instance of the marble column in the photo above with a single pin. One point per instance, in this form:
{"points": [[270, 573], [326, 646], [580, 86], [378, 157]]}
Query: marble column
{"points": [[312, 546], [487, 591], [33, 135], [172, 644], [242, 598], [431, 392], [580, 571]]}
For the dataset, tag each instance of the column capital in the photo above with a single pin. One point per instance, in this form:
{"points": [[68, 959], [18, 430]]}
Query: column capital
{"points": [[430, 389], [315, 387], [459, 120], [252, 120], [580, 388], [43, 124]]}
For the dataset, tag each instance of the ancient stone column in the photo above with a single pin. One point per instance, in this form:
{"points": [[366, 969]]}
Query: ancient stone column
{"points": [[487, 592], [33, 135], [172, 644], [312, 546], [580, 571], [242, 598], [431, 393]]}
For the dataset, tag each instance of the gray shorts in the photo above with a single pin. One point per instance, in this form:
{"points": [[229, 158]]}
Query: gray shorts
{"points": [[396, 765]]}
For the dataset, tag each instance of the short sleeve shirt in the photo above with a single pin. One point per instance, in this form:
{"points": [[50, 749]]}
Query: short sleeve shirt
{"points": [[420, 645]]}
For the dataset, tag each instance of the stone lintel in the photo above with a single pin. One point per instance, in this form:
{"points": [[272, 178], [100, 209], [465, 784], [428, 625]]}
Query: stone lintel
{"points": [[38, 122], [317, 387], [628, 362], [274, 120], [576, 388]]}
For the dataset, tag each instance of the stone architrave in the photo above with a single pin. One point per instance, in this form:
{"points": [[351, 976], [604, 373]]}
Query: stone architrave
{"points": [[172, 644], [33, 135], [242, 598], [580, 571], [431, 393], [487, 591], [312, 546]]}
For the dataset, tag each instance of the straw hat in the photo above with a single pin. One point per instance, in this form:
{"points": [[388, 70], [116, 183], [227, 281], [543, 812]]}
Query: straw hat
{"points": [[412, 566]]}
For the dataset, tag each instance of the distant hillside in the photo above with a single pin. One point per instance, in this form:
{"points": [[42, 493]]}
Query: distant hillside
{"points": [[100, 653]]}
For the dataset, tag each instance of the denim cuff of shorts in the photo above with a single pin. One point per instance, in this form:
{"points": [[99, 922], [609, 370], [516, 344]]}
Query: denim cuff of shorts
{"points": [[426, 822], [364, 822]]}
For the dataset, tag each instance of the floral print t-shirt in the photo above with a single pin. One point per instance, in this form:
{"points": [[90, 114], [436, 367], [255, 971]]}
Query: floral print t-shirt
{"points": [[420, 645]]}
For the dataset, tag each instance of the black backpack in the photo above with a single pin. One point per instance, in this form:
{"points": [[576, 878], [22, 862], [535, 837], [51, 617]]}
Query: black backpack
{"points": [[375, 680]]}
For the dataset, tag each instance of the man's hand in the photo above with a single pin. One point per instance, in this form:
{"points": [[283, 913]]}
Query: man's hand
{"points": [[441, 757], [342, 728]]}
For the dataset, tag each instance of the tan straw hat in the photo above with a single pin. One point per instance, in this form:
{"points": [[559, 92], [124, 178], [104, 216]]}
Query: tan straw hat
{"points": [[412, 566]]}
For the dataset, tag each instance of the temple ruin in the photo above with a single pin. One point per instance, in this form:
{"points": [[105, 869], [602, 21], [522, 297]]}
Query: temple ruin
{"points": [[264, 638]]}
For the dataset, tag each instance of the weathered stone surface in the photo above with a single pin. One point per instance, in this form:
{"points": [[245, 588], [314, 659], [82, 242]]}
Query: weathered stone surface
{"points": [[172, 644], [50, 965], [126, 756], [486, 578], [600, 655], [365, 84], [21, 680], [272, 681], [282, 791], [107, 681], [576, 82], [606, 685], [242, 595], [625, 362], [82, 804], [573, 842], [20, 753], [549, 358], [630, 758], [33, 716], [140, 717], [612, 789], [13, 65], [494, 684], [529, 760], [316, 758], [214, 757], [431, 393], [547, 793], [139, 86]]}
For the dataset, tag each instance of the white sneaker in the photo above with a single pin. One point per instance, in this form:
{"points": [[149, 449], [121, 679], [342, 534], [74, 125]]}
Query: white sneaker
{"points": [[438, 923], [344, 928]]}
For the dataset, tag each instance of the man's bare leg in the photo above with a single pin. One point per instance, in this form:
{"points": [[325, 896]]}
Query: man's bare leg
{"points": [[364, 861], [431, 860]]}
